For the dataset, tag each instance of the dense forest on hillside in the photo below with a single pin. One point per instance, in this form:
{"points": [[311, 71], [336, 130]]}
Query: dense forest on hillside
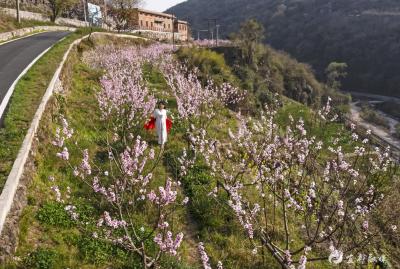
{"points": [[362, 33]]}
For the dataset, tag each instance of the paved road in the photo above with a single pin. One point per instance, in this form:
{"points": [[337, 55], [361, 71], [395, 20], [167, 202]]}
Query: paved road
{"points": [[17, 55]]}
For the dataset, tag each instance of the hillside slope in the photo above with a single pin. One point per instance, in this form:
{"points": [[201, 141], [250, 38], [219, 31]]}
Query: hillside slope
{"points": [[362, 33]]}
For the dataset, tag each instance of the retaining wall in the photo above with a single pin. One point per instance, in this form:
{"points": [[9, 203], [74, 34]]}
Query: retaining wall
{"points": [[30, 30], [13, 196], [158, 35], [27, 15]]}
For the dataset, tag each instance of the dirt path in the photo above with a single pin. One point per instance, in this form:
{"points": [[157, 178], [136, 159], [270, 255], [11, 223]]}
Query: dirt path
{"points": [[377, 130], [189, 228]]}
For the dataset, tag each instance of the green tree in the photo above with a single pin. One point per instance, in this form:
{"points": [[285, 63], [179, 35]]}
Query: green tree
{"points": [[123, 14], [248, 40], [335, 72], [57, 6]]}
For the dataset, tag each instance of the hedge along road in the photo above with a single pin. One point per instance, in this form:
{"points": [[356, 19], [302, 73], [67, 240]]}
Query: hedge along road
{"points": [[17, 55]]}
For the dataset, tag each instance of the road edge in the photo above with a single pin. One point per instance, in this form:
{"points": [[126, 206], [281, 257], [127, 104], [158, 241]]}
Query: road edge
{"points": [[10, 91], [13, 180], [11, 185], [7, 37]]}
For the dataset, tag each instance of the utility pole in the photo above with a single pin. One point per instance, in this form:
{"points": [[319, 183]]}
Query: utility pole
{"points": [[84, 9], [173, 31], [215, 27], [187, 32], [209, 32], [199, 31], [18, 15], [218, 33], [105, 14]]}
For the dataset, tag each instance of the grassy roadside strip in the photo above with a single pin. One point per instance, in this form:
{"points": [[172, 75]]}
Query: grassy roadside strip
{"points": [[9, 23], [48, 238], [25, 101]]}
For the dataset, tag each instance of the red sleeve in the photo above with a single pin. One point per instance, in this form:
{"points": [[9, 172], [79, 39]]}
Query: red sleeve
{"points": [[169, 125], [150, 125]]}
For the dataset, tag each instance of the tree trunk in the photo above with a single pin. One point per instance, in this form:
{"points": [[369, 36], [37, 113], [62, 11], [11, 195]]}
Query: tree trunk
{"points": [[54, 15], [18, 15]]}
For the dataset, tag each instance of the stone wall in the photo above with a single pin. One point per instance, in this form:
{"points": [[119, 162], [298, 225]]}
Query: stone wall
{"points": [[162, 36], [13, 197], [71, 22], [24, 167], [26, 15], [26, 31]]}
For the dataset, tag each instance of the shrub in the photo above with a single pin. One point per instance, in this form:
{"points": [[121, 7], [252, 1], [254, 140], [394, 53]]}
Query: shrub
{"points": [[198, 184], [41, 259], [370, 115], [99, 252], [211, 64], [54, 214]]}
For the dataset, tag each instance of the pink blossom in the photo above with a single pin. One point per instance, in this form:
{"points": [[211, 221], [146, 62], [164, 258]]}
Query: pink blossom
{"points": [[185, 201], [57, 192], [204, 256], [71, 211], [64, 154], [335, 256], [167, 244], [113, 223], [302, 262], [85, 166], [365, 225]]}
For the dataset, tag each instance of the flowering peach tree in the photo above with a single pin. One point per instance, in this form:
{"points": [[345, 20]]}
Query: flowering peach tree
{"points": [[197, 103], [124, 182], [299, 198]]}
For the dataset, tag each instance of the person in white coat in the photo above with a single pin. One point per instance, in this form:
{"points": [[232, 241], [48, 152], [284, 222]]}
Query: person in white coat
{"points": [[160, 114]]}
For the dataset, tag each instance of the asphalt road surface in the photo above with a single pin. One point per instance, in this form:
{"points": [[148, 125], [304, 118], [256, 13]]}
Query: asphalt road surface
{"points": [[17, 55]]}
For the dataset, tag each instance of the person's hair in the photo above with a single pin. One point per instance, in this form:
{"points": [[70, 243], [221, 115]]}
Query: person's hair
{"points": [[162, 102]]}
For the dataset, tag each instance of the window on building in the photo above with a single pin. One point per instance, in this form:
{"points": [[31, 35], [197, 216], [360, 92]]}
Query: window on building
{"points": [[147, 24]]}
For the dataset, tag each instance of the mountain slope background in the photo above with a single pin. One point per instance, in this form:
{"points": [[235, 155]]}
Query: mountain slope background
{"points": [[363, 33]]}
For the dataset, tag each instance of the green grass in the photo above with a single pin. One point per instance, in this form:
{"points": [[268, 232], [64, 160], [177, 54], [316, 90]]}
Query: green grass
{"points": [[44, 222], [8, 23], [323, 133], [45, 228], [48, 238], [25, 101], [216, 226]]}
